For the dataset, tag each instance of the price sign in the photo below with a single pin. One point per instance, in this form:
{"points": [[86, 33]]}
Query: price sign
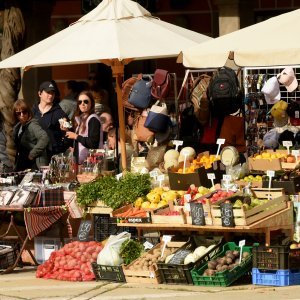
{"points": [[212, 177], [296, 154], [227, 215], [185, 154], [227, 178], [179, 256], [160, 178], [84, 230], [220, 142], [153, 174], [187, 206], [166, 239], [270, 174], [187, 197], [287, 144], [197, 214], [148, 245], [241, 245], [177, 143], [118, 176]]}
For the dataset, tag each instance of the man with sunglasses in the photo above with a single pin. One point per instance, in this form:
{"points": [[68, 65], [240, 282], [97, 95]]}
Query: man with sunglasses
{"points": [[48, 114]]}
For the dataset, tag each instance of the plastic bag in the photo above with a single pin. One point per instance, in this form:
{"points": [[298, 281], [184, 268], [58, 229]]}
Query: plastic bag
{"points": [[110, 254]]}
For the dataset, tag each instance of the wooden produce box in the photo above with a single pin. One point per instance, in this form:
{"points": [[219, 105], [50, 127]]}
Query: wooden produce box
{"points": [[130, 219], [99, 207], [158, 216], [150, 275], [254, 184], [243, 217]]}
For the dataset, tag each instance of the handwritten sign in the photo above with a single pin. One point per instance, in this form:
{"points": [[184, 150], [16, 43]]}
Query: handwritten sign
{"points": [[287, 144], [227, 215], [177, 143], [179, 256], [197, 214], [84, 230], [220, 142]]}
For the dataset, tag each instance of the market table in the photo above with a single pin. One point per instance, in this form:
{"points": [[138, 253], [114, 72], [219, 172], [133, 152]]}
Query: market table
{"points": [[37, 220], [282, 220]]}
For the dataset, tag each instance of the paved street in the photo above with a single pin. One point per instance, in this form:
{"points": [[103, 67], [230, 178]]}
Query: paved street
{"points": [[23, 285]]}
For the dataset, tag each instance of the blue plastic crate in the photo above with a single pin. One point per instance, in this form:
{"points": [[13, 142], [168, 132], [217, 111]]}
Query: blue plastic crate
{"points": [[275, 277]]}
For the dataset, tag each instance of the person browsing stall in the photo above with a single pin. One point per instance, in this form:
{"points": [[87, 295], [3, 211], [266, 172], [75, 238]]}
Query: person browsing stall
{"points": [[30, 139], [48, 113], [88, 127]]}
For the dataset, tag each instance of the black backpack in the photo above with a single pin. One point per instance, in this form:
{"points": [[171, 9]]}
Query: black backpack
{"points": [[224, 92]]}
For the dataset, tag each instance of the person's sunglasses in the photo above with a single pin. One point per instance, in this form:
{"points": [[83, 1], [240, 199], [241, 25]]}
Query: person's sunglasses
{"points": [[85, 101], [24, 112]]}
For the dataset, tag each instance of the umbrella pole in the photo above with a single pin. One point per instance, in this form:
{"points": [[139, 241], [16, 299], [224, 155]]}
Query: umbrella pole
{"points": [[118, 72]]}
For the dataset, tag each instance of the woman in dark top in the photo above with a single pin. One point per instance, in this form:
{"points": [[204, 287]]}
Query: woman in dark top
{"points": [[87, 123], [30, 139]]}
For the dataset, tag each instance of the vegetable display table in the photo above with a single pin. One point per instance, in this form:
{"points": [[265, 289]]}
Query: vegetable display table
{"points": [[36, 220], [282, 220]]}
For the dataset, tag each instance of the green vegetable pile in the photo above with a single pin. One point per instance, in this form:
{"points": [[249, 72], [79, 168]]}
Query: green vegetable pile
{"points": [[131, 250], [114, 193]]}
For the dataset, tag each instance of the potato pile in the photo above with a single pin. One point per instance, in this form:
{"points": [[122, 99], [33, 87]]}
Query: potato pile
{"points": [[147, 261], [227, 262]]}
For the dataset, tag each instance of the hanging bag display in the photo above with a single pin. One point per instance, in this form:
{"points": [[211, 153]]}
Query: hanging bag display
{"points": [[161, 84], [140, 95], [158, 119], [140, 132], [126, 90]]}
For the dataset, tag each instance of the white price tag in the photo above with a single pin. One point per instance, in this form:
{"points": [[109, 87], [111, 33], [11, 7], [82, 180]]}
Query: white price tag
{"points": [[151, 274], [219, 142], [187, 207], [161, 177], [287, 144], [166, 238], [187, 197], [148, 245], [270, 173], [177, 143], [153, 174], [211, 176], [118, 176], [227, 177], [295, 153], [241, 245]]}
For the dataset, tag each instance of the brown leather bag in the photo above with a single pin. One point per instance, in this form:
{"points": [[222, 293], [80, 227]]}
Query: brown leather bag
{"points": [[140, 132], [233, 131]]}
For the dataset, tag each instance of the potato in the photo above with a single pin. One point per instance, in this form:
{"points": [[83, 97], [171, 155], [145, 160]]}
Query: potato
{"points": [[145, 268]]}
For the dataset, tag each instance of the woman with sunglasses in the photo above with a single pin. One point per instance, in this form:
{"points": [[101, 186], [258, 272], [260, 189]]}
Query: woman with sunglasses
{"points": [[30, 138], [88, 127]]}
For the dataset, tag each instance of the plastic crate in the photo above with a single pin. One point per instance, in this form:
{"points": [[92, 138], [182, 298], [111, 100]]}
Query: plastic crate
{"points": [[105, 225], [44, 246], [227, 277], [276, 258], [180, 273], [9, 256], [275, 277], [110, 273]]}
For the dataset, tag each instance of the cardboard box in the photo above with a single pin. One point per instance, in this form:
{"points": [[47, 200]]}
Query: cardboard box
{"points": [[179, 181]]}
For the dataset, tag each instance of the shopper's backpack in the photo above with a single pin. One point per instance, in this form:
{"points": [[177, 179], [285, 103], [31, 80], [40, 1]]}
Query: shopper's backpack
{"points": [[198, 97], [224, 92]]}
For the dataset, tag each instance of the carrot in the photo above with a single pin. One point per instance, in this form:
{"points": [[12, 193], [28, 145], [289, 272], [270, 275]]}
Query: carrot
{"points": [[139, 213], [127, 213]]}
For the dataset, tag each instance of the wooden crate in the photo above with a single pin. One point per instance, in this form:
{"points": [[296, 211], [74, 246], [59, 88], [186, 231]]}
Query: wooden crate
{"points": [[86, 178], [146, 219], [152, 275], [99, 207], [244, 217], [158, 217]]}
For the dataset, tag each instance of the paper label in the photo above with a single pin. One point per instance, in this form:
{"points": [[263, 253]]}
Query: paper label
{"points": [[211, 176], [227, 177], [220, 141], [177, 142], [187, 197], [287, 143], [270, 173], [161, 177], [242, 243], [118, 176], [153, 173], [295, 152], [166, 238], [148, 245], [187, 207]]}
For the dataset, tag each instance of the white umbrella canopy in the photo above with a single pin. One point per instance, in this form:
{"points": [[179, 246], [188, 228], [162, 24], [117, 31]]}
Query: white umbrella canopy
{"points": [[274, 42], [115, 33]]}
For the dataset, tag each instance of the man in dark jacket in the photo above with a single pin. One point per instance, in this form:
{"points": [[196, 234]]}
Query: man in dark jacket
{"points": [[48, 114]]}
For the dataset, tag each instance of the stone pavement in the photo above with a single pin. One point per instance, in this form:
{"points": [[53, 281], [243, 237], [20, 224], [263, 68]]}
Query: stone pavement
{"points": [[22, 284]]}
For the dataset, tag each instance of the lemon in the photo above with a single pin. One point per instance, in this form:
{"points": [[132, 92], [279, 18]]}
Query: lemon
{"points": [[138, 202], [153, 197], [145, 204]]}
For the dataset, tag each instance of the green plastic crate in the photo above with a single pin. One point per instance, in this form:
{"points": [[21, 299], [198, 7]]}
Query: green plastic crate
{"points": [[227, 277]]}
